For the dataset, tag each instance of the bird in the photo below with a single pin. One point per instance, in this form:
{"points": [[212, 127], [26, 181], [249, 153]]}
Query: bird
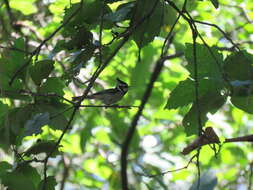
{"points": [[108, 96]]}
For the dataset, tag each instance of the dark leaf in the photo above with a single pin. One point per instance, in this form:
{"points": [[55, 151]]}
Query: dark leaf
{"points": [[209, 61], [184, 93], [89, 16], [53, 85], [149, 19], [41, 70], [243, 103], [50, 183], [58, 118], [239, 66], [210, 102], [4, 166], [16, 180], [29, 172], [42, 147], [34, 125], [121, 13]]}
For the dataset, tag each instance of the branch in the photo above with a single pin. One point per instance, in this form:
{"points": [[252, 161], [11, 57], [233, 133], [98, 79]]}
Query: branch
{"points": [[218, 28], [66, 164], [10, 14], [170, 171], [132, 129], [108, 106], [247, 138], [15, 49], [210, 137]]}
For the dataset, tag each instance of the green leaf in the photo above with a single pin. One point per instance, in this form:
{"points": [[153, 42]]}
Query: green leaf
{"points": [[34, 125], [17, 58], [12, 125], [10, 128], [147, 30], [5, 86], [17, 118], [42, 147], [121, 13], [4, 166], [208, 64], [243, 103], [80, 58], [41, 70], [170, 15], [50, 183], [3, 109], [215, 3], [30, 172], [10, 63], [239, 66], [80, 38], [85, 136], [208, 181], [184, 93], [88, 16], [25, 7], [210, 102], [58, 118], [53, 85], [16, 180]]}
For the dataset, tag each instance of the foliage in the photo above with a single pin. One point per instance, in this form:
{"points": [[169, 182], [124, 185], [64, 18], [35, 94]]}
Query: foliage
{"points": [[189, 65]]}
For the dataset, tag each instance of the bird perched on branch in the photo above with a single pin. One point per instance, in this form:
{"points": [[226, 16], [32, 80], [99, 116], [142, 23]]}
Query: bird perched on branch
{"points": [[108, 96]]}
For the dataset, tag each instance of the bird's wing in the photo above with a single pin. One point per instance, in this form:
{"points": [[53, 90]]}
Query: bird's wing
{"points": [[107, 91]]}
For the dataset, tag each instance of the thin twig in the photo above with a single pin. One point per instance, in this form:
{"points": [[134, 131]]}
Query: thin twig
{"points": [[15, 49], [25, 92], [218, 28], [108, 106], [169, 171]]}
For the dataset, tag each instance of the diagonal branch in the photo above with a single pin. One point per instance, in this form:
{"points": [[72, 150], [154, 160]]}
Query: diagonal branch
{"points": [[126, 144]]}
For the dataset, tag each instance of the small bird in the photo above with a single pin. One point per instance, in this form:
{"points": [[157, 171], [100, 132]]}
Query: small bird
{"points": [[108, 96]]}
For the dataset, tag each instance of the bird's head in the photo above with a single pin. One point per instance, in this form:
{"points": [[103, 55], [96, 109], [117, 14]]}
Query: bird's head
{"points": [[121, 86]]}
